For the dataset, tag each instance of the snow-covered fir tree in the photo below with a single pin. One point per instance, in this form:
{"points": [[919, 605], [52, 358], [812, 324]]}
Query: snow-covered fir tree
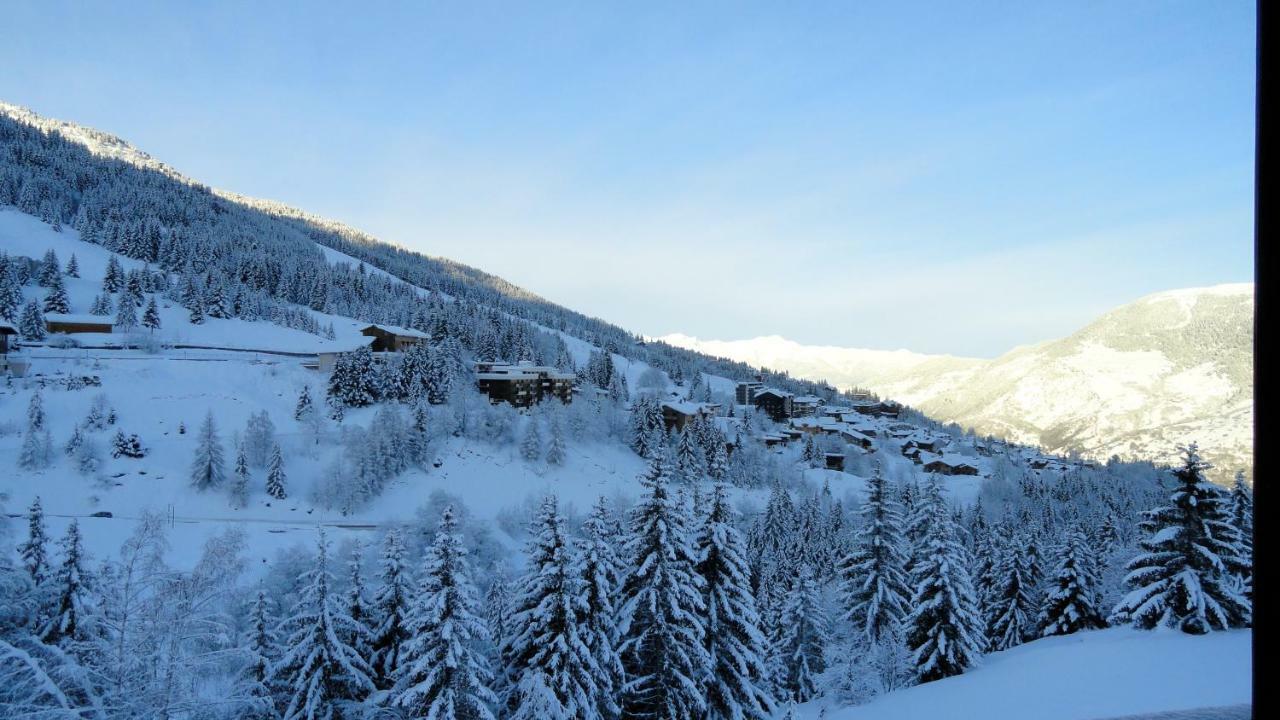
{"points": [[101, 305], [50, 269], [1012, 606], [531, 443], [322, 675], [73, 267], [276, 481], [1071, 604], [31, 324], [1241, 511], [208, 470], [802, 639], [56, 300], [71, 616], [259, 436], [1187, 575], [600, 568], [151, 316], [443, 672], [391, 607], [546, 635], [34, 551], [260, 652], [126, 314], [239, 490], [555, 445], [943, 631], [305, 406], [359, 632], [873, 586], [663, 639], [737, 682]]}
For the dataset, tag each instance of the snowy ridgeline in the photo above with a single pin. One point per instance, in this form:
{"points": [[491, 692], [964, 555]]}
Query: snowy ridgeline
{"points": [[667, 574]]}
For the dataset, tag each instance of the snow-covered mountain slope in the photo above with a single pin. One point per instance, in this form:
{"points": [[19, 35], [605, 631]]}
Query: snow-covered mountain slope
{"points": [[846, 368], [1170, 368], [1085, 676]]}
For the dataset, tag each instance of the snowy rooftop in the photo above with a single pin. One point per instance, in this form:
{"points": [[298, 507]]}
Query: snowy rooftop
{"points": [[77, 318], [690, 408], [397, 330]]}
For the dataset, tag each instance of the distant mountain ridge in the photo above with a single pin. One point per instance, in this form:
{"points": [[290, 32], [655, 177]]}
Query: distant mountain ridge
{"points": [[1169, 368]]}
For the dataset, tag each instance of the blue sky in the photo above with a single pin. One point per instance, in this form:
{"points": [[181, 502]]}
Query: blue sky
{"points": [[943, 177]]}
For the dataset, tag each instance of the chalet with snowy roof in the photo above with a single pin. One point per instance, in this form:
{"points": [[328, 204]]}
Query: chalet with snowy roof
{"points": [[805, 405], [677, 414], [951, 465], [7, 332], [853, 437], [523, 384], [816, 425], [834, 461], [745, 392], [74, 324], [775, 402], [389, 338], [927, 443]]}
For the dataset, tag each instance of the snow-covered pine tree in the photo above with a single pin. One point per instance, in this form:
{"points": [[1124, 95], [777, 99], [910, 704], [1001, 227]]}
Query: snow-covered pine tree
{"points": [[126, 314], [72, 614], [276, 487], [56, 300], [873, 586], [151, 316], [208, 470], [1184, 578], [101, 305], [601, 571], [546, 636], [113, 279], [391, 606], [943, 632], [1071, 604], [443, 673], [353, 381], [34, 550], [50, 269], [497, 618], [73, 267], [1012, 607], [239, 490], [259, 436], [737, 682], [772, 535], [196, 315], [305, 405], [1241, 512], [440, 376], [662, 649], [531, 444], [555, 446], [323, 676], [260, 651], [359, 632], [31, 324], [690, 463], [803, 638]]}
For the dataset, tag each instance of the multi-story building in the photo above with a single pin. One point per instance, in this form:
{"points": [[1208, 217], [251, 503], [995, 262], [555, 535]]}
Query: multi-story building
{"points": [[524, 383]]}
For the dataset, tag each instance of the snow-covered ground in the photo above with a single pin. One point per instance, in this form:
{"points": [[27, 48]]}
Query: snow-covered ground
{"points": [[1085, 676]]}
